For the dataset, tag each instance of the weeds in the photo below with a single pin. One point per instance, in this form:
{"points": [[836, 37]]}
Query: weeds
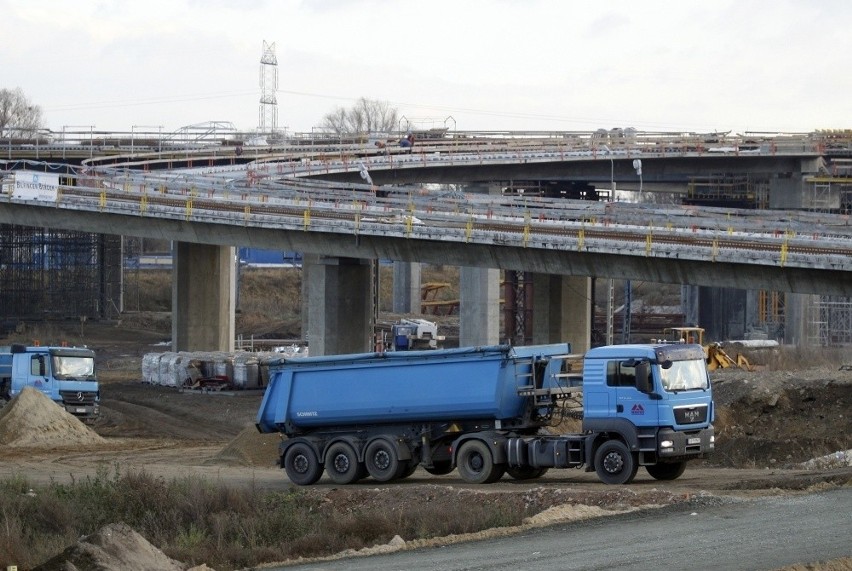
{"points": [[194, 521]]}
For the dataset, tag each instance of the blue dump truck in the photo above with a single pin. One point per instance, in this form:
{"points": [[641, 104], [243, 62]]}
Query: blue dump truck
{"points": [[65, 374], [486, 411]]}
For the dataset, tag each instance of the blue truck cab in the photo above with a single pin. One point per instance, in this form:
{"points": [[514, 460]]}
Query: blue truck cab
{"points": [[65, 374], [657, 398]]}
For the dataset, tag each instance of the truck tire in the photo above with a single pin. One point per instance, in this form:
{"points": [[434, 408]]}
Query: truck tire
{"points": [[476, 465], [341, 464], [381, 461], [614, 463], [410, 468], [301, 464], [525, 472], [669, 471], [440, 468]]}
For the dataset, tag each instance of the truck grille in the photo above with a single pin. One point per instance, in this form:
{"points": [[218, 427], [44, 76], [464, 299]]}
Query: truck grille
{"points": [[78, 398], [691, 414]]}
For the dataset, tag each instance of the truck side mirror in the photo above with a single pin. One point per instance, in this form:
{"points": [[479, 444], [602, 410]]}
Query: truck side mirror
{"points": [[41, 368], [643, 377]]}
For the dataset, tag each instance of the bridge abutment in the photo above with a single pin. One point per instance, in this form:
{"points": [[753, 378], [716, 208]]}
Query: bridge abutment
{"points": [[203, 297]]}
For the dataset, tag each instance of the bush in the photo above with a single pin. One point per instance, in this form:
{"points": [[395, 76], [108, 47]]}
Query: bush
{"points": [[194, 521]]}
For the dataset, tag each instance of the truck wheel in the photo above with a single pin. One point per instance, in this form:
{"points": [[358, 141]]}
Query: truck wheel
{"points": [[410, 468], [475, 464], [525, 472], [669, 471], [440, 468], [614, 463], [301, 464], [381, 461], [341, 464]]}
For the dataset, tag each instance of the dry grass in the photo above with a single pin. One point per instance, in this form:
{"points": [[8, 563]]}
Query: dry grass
{"points": [[195, 521]]}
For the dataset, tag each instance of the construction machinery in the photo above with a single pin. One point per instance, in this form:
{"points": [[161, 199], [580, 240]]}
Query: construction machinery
{"points": [[715, 356]]}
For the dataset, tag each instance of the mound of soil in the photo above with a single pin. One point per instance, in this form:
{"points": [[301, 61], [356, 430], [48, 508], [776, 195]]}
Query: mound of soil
{"points": [[32, 419], [249, 448], [781, 418], [114, 546]]}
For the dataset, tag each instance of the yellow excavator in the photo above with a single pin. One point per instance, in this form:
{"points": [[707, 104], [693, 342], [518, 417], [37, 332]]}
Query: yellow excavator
{"points": [[713, 353]]}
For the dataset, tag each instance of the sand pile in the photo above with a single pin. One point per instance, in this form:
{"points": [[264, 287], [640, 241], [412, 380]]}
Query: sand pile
{"points": [[116, 546], [32, 419], [250, 448]]}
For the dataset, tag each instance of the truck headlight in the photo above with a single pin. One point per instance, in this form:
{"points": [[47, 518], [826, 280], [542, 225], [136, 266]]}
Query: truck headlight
{"points": [[713, 439], [666, 444]]}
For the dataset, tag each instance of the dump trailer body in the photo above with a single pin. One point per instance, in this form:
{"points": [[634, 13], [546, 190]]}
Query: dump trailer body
{"points": [[394, 387]]}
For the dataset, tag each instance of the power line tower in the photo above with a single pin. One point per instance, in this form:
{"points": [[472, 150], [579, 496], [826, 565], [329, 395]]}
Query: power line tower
{"points": [[268, 87]]}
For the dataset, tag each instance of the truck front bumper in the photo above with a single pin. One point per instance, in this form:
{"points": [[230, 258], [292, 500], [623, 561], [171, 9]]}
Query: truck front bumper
{"points": [[673, 444], [82, 411]]}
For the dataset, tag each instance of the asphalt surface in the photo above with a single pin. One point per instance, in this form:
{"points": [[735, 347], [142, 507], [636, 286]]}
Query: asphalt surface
{"points": [[710, 533]]}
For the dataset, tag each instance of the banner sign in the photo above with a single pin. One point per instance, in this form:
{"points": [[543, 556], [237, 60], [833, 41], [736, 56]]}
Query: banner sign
{"points": [[31, 185]]}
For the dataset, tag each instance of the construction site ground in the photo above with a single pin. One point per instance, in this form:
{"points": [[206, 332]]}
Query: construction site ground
{"points": [[778, 432]]}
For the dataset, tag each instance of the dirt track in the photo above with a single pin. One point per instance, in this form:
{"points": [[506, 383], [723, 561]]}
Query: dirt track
{"points": [[767, 423]]}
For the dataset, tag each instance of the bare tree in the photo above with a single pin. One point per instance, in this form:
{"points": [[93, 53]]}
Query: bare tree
{"points": [[18, 117], [366, 116]]}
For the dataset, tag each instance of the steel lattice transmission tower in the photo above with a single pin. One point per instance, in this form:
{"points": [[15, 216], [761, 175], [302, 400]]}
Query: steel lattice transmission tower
{"points": [[268, 87]]}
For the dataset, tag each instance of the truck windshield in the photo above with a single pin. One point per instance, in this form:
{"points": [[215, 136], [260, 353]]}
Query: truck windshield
{"points": [[80, 368], [684, 375]]}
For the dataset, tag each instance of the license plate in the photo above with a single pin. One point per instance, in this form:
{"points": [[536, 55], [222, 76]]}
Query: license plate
{"points": [[693, 441], [81, 410]]}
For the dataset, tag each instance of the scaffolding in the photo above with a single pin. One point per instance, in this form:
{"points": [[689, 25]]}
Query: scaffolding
{"points": [[831, 190], [830, 323], [50, 274], [728, 190]]}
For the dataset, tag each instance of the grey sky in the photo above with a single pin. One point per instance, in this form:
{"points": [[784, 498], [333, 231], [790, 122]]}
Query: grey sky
{"points": [[738, 65]]}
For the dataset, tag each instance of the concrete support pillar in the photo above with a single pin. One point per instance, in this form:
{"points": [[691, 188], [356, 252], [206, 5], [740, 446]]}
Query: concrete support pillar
{"points": [[801, 316], [562, 310], [406, 287], [479, 306], [339, 305], [689, 303], [203, 294]]}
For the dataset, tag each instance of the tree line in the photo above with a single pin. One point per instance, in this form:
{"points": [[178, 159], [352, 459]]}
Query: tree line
{"points": [[19, 117]]}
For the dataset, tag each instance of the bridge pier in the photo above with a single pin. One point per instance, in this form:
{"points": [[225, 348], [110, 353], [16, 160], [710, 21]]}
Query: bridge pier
{"points": [[479, 306], [203, 297], [406, 287], [339, 303], [562, 310]]}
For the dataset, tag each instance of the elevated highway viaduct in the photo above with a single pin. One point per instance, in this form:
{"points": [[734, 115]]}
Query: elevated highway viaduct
{"points": [[562, 242]]}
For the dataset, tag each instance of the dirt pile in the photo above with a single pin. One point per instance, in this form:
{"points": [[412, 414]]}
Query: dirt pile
{"points": [[31, 419], [781, 419], [115, 547], [249, 448]]}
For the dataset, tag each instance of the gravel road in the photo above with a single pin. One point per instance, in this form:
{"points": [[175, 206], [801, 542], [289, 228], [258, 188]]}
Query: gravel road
{"points": [[708, 533]]}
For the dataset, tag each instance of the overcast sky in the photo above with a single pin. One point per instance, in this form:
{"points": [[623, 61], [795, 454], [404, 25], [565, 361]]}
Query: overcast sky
{"points": [[681, 65]]}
